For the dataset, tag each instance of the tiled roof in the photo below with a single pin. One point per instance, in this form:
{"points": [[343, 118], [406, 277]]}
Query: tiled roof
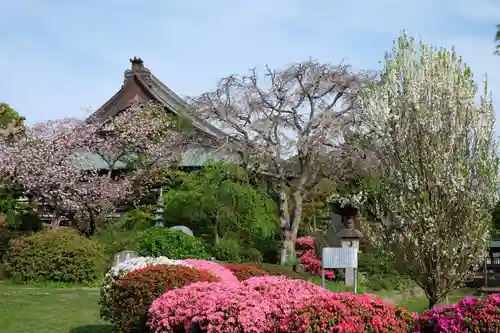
{"points": [[194, 156]]}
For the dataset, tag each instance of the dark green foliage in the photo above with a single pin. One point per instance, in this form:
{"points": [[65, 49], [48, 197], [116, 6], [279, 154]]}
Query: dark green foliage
{"points": [[5, 236], [253, 255], [55, 256], [7, 115], [173, 244], [380, 273], [137, 219], [113, 241], [219, 201], [124, 233], [228, 250]]}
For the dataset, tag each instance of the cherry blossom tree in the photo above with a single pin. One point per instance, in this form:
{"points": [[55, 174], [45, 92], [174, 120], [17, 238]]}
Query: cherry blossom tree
{"points": [[287, 124], [52, 161], [437, 179]]}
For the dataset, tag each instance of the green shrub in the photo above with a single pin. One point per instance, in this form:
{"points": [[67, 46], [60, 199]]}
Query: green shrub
{"points": [[277, 270], [253, 255], [5, 236], [228, 250], [137, 219], [113, 241], [55, 256], [379, 273], [269, 247], [173, 244], [131, 296]]}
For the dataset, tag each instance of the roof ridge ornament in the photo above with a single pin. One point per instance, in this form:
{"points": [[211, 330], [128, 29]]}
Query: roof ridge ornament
{"points": [[137, 64]]}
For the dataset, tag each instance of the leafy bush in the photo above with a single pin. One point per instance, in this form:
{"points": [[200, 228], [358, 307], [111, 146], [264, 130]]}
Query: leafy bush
{"points": [[6, 236], [120, 270], [173, 244], [113, 241], [132, 295], [379, 273], [268, 304], [56, 256], [253, 255], [228, 250], [243, 271], [224, 274], [137, 219], [346, 313], [468, 315]]}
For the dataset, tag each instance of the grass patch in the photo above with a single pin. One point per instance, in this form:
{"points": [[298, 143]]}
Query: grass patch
{"points": [[42, 309], [49, 310], [420, 304]]}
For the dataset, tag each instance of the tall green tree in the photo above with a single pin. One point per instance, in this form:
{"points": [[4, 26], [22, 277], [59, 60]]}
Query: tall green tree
{"points": [[438, 175], [9, 116], [219, 200]]}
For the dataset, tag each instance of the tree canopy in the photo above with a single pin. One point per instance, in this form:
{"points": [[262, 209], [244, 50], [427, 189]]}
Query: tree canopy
{"points": [[437, 180], [220, 201]]}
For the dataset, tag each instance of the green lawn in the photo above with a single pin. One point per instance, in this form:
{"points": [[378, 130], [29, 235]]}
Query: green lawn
{"points": [[48, 310], [419, 304], [26, 309]]}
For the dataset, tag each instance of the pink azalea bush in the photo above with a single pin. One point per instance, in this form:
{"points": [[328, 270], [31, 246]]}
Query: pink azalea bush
{"points": [[351, 313], [306, 252], [468, 315], [225, 275], [267, 304]]}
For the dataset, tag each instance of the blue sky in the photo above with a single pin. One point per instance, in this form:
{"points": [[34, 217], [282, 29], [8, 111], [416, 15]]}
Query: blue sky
{"points": [[63, 58]]}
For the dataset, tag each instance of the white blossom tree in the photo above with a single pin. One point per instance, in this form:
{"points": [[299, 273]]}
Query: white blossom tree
{"points": [[437, 173], [287, 124]]}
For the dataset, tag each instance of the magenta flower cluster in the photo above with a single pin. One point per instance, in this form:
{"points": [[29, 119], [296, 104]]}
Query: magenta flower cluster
{"points": [[267, 304], [276, 304], [472, 315], [306, 252]]}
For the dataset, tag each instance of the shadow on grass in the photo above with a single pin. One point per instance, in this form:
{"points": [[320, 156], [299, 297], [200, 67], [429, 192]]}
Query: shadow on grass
{"points": [[93, 329]]}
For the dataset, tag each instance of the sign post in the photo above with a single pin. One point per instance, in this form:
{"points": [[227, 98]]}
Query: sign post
{"points": [[340, 257]]}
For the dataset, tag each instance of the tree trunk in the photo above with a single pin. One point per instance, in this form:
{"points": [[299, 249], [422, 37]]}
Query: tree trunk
{"points": [[216, 233], [55, 221], [297, 213], [92, 227], [287, 246], [432, 303]]}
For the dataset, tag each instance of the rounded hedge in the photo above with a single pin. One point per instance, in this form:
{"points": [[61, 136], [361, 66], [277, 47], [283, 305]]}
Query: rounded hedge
{"points": [[131, 296], [244, 271], [58, 256], [272, 304], [173, 244]]}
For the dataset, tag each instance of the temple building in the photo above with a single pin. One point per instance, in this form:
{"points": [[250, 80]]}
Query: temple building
{"points": [[141, 86]]}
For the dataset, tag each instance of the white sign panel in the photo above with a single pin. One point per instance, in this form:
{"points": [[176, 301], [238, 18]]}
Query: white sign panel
{"points": [[340, 257]]}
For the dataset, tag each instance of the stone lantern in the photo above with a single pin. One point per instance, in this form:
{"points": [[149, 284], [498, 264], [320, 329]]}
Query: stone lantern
{"points": [[159, 210], [349, 237]]}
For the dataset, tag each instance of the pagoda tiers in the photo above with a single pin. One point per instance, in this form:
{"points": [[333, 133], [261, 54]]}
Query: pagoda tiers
{"points": [[141, 86]]}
